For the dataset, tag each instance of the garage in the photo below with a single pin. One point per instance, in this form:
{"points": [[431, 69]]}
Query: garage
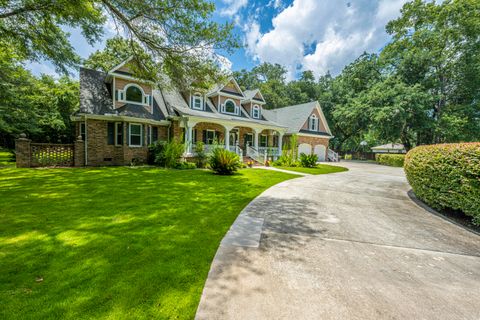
{"points": [[304, 148], [320, 151]]}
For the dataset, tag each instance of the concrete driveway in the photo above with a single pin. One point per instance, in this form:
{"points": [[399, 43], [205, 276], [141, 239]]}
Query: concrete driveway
{"points": [[349, 245]]}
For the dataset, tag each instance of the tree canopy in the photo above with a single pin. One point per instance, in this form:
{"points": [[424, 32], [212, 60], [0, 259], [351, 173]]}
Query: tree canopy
{"points": [[179, 36], [422, 88]]}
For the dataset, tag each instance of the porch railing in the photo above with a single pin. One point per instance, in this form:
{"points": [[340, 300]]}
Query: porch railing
{"points": [[256, 155], [208, 149], [332, 156], [270, 151]]}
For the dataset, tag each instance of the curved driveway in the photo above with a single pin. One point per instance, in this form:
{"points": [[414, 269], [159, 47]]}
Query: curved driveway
{"points": [[348, 245]]}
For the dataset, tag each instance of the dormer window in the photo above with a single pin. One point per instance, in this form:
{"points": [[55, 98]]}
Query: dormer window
{"points": [[256, 112], [133, 93], [313, 123], [230, 107], [197, 102]]}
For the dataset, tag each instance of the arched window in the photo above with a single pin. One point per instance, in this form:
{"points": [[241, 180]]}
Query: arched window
{"points": [[313, 123], [256, 112], [230, 107], [134, 93]]}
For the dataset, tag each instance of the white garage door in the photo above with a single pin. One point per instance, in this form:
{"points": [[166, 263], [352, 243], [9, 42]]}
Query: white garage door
{"points": [[319, 150], [304, 148]]}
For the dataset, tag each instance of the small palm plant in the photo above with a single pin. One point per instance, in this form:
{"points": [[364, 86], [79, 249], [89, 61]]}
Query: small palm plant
{"points": [[223, 161]]}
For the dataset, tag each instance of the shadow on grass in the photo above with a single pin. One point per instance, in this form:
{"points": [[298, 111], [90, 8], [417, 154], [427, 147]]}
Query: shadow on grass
{"points": [[114, 242]]}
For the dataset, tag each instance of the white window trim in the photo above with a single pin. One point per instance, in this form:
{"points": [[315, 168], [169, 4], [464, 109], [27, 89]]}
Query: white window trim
{"points": [[214, 136], [130, 135], [122, 96], [116, 133], [224, 109], [256, 108], [196, 97], [313, 123], [266, 140]]}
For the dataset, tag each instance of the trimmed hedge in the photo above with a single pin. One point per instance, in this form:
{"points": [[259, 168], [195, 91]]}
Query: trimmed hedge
{"points": [[394, 160], [447, 176]]}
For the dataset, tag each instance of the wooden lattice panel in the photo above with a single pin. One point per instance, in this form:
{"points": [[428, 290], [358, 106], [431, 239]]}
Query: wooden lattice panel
{"points": [[47, 155]]}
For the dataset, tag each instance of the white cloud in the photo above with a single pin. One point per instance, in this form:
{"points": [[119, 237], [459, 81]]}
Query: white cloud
{"points": [[232, 7], [322, 35]]}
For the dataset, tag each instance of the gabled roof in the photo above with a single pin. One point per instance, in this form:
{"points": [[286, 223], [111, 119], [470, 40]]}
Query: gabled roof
{"points": [[295, 116], [250, 96], [118, 66], [219, 87], [96, 98]]}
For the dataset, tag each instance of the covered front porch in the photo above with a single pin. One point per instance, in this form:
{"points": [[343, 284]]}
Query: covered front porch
{"points": [[256, 142]]}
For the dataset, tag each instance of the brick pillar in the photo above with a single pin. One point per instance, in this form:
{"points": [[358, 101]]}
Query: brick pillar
{"points": [[79, 152], [22, 151], [176, 131]]}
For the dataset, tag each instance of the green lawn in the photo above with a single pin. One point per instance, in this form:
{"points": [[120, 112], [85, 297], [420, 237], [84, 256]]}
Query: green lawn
{"points": [[114, 243], [320, 169], [6, 158]]}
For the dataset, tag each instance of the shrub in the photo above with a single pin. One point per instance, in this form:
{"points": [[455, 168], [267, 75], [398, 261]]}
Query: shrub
{"points": [[446, 176], [153, 150], [347, 157], [308, 160], [170, 154], [223, 161], [185, 165], [201, 156], [394, 160]]}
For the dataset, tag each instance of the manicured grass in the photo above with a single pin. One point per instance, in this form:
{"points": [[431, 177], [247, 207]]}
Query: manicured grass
{"points": [[114, 243], [320, 169], [6, 158]]}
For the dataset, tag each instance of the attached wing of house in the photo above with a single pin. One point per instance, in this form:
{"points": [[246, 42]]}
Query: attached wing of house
{"points": [[308, 122]]}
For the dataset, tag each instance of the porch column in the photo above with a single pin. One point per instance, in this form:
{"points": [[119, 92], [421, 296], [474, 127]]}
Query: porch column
{"points": [[227, 137], [280, 142], [256, 132], [189, 135]]}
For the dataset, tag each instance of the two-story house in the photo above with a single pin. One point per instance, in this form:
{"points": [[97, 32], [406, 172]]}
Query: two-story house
{"points": [[121, 115]]}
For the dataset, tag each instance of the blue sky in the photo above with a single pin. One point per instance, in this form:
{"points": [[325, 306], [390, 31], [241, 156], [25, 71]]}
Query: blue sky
{"points": [[317, 35]]}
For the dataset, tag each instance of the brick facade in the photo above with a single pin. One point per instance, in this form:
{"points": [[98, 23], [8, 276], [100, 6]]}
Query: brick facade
{"points": [[200, 127], [100, 153], [313, 141]]}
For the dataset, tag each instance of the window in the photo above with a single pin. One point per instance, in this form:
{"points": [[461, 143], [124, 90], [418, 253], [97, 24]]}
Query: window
{"points": [[110, 133], [263, 140], [313, 123], [197, 102], [210, 136], [134, 94], [118, 133], [82, 131], [230, 107], [135, 139], [256, 112]]}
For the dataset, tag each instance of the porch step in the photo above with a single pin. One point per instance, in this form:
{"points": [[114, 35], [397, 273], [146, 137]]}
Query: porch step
{"points": [[246, 159]]}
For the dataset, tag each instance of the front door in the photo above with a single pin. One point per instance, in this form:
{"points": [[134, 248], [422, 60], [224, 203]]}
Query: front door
{"points": [[247, 140]]}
